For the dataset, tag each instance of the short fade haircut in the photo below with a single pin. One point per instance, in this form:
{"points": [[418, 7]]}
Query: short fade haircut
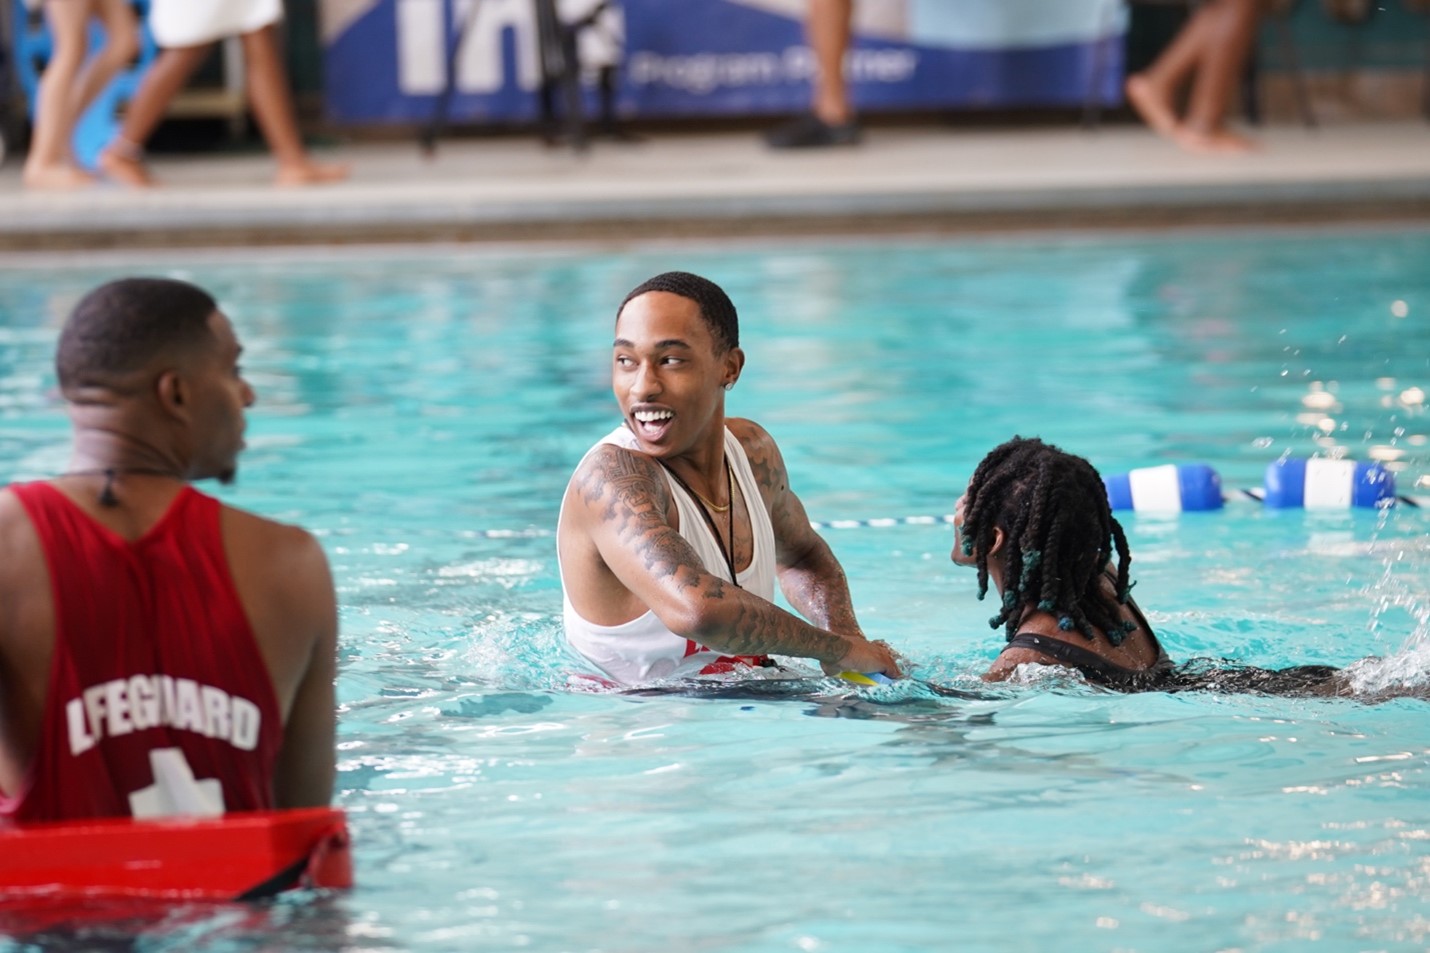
{"points": [[716, 308], [119, 327]]}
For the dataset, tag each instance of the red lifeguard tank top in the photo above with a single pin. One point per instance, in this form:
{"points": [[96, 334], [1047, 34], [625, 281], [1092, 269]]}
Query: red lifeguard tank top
{"points": [[159, 702]]}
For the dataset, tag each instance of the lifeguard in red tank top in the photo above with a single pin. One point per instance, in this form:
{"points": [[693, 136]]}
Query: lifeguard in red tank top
{"points": [[159, 702]]}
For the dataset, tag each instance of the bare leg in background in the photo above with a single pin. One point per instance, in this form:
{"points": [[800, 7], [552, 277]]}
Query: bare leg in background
{"points": [[69, 85], [273, 108], [1209, 54], [829, 30], [272, 104]]}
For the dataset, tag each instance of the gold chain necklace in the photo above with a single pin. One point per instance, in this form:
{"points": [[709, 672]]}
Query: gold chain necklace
{"points": [[729, 554]]}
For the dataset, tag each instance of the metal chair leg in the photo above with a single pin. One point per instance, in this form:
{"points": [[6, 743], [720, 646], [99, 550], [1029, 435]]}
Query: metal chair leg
{"points": [[1425, 87], [1092, 100], [437, 123], [1298, 77], [1251, 90], [560, 73]]}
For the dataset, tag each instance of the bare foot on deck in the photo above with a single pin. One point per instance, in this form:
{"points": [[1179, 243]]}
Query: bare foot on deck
{"points": [[124, 169], [1217, 142], [56, 178], [1153, 104], [310, 173]]}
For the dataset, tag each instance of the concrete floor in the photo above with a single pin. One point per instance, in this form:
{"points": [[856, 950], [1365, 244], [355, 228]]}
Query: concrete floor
{"points": [[913, 177]]}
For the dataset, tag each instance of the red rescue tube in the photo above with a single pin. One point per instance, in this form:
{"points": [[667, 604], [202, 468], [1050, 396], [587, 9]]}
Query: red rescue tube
{"points": [[238, 856]]}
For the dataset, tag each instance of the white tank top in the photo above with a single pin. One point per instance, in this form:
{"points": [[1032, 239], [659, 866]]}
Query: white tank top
{"points": [[643, 649]]}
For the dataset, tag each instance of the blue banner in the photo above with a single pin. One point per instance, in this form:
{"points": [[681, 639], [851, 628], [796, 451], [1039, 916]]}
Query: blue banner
{"points": [[387, 60]]}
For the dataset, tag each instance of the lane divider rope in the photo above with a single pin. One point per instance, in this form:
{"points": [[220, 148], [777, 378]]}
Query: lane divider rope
{"points": [[1256, 495], [1317, 483]]}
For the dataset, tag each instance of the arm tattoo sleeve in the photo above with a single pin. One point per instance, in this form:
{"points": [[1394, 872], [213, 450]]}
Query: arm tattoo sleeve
{"points": [[632, 499], [810, 576]]}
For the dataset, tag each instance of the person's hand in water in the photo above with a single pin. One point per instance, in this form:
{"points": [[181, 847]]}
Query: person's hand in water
{"points": [[865, 657]]}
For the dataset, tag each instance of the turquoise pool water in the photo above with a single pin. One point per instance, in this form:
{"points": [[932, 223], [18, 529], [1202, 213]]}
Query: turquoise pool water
{"points": [[421, 410]]}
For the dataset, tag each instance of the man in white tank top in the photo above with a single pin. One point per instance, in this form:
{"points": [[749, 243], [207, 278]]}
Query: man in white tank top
{"points": [[675, 527]]}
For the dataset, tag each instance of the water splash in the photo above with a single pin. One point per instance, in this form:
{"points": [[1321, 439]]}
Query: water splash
{"points": [[1398, 592]]}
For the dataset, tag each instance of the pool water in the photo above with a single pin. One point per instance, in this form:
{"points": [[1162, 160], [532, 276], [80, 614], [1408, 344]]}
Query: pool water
{"points": [[421, 409]]}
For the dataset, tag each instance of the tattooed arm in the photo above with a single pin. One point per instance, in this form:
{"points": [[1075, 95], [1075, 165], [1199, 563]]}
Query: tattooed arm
{"points": [[621, 502], [810, 576]]}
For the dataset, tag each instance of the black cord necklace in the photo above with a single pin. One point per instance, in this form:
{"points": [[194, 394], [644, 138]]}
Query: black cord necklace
{"points": [[106, 493], [710, 520]]}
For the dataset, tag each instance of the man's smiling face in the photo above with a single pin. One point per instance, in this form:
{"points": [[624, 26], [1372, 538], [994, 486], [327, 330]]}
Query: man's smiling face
{"points": [[667, 372]]}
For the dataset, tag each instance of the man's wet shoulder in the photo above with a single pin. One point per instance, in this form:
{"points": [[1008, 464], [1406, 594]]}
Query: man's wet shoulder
{"points": [[610, 468], [606, 458], [748, 432], [275, 535]]}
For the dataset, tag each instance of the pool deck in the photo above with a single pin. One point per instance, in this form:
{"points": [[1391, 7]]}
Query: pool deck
{"points": [[915, 177]]}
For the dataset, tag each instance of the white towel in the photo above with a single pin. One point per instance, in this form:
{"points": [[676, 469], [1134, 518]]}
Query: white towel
{"points": [[195, 22]]}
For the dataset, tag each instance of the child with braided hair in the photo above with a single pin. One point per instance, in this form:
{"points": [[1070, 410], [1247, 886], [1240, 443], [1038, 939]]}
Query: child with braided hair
{"points": [[1035, 520]]}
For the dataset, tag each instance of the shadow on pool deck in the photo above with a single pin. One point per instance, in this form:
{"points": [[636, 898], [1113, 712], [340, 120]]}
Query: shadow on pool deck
{"points": [[904, 178]]}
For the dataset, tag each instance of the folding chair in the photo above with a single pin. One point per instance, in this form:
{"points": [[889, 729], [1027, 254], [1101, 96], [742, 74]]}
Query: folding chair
{"points": [[560, 75], [566, 54], [561, 98]]}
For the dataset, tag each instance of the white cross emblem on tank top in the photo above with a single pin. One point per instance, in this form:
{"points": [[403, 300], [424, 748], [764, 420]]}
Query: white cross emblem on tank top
{"points": [[175, 790]]}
